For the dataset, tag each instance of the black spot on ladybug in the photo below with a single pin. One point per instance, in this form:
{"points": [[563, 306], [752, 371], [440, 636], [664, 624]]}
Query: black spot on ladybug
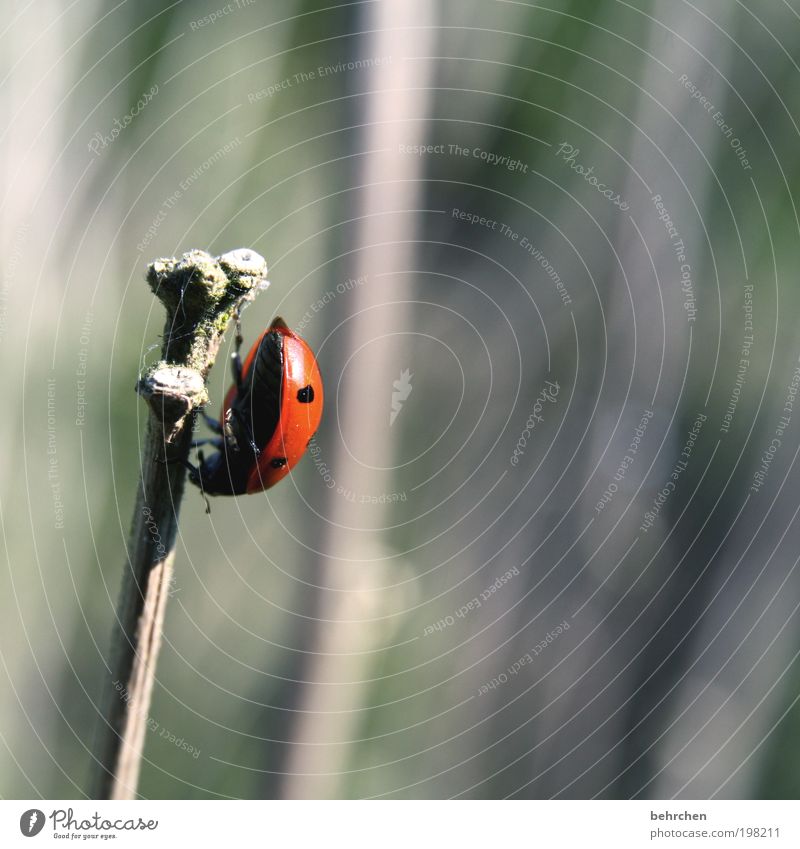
{"points": [[305, 395], [278, 462]]}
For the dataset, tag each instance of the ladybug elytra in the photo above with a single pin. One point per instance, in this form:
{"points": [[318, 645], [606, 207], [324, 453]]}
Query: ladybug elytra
{"points": [[269, 416]]}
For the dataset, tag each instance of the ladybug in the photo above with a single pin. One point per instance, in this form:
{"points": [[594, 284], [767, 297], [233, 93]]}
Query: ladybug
{"points": [[268, 418]]}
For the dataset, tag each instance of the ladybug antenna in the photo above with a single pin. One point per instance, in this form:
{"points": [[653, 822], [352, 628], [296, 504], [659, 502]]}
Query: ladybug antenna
{"points": [[197, 478]]}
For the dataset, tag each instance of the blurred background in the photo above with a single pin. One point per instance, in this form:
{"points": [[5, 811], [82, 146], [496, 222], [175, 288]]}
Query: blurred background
{"points": [[545, 544]]}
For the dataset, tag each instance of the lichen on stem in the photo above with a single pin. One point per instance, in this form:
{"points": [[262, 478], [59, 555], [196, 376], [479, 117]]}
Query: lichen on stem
{"points": [[201, 294]]}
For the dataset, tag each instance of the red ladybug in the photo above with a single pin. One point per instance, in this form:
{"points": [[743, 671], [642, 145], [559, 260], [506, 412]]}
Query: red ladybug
{"points": [[268, 417]]}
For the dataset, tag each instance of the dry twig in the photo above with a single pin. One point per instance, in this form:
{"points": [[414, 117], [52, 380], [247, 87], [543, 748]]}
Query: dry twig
{"points": [[201, 294]]}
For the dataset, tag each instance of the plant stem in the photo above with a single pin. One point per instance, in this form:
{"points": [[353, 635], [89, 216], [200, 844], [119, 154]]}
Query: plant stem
{"points": [[201, 294]]}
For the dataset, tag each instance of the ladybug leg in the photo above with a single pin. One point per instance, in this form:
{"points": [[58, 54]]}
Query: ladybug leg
{"points": [[194, 471], [248, 431], [212, 423], [194, 474], [217, 442]]}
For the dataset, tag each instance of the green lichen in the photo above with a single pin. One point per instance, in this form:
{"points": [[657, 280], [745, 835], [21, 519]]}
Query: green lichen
{"points": [[201, 294]]}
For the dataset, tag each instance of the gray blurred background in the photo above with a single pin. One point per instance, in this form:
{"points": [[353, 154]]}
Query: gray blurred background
{"points": [[581, 588]]}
